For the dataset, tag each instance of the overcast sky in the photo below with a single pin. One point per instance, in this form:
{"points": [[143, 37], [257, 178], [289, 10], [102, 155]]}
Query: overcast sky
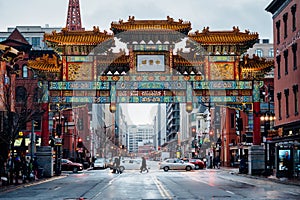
{"points": [[216, 14]]}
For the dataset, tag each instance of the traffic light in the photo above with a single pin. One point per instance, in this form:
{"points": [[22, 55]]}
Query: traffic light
{"points": [[51, 141], [244, 138], [194, 132], [239, 124], [200, 141], [79, 143], [58, 130]]}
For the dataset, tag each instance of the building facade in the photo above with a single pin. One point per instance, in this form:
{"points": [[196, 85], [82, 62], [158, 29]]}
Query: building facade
{"points": [[34, 35], [159, 124], [140, 136], [286, 31]]}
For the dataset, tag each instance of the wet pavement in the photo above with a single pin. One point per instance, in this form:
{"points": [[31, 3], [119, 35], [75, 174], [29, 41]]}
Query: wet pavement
{"points": [[234, 171]]}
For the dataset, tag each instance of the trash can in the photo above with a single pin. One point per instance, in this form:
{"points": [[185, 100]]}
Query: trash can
{"points": [[40, 173]]}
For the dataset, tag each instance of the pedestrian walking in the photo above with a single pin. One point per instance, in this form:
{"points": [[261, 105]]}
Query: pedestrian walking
{"points": [[144, 165], [116, 165], [18, 166]]}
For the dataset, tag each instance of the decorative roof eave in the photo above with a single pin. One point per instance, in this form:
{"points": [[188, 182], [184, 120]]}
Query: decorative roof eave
{"points": [[10, 54], [8, 49], [45, 67], [153, 25], [45, 63], [66, 37], [234, 37], [256, 65]]}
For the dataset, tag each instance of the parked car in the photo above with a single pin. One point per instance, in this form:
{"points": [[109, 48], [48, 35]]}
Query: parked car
{"points": [[67, 165], [176, 164], [99, 163], [199, 164]]}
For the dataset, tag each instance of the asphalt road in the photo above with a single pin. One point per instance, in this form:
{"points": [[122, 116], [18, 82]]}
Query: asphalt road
{"points": [[157, 184]]}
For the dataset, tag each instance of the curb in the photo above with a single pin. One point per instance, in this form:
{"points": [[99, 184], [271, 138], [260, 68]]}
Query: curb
{"points": [[272, 179], [12, 187]]}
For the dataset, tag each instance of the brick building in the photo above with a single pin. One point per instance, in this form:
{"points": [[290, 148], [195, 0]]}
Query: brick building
{"points": [[286, 29]]}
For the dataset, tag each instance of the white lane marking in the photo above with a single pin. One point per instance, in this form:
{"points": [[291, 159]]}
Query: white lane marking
{"points": [[164, 193], [57, 188], [229, 192], [293, 193]]}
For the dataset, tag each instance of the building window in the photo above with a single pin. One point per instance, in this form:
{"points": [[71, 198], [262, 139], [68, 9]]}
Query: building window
{"points": [[294, 48], [36, 42], [278, 59], [25, 71], [37, 94], [295, 90], [286, 94], [16, 69], [278, 31], [232, 118], [271, 53], [21, 94], [2, 39], [259, 53], [279, 105], [285, 17], [286, 64], [293, 10], [265, 41]]}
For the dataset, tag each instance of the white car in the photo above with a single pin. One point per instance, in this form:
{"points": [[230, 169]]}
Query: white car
{"points": [[176, 164], [99, 163], [131, 164]]}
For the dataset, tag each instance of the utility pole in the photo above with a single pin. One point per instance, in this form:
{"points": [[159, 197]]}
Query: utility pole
{"points": [[32, 140]]}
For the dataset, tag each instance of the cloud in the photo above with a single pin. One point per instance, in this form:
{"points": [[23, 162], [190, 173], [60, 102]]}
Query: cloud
{"points": [[217, 14]]}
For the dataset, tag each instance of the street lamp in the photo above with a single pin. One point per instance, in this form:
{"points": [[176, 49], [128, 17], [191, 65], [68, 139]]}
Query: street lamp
{"points": [[58, 119], [267, 117]]}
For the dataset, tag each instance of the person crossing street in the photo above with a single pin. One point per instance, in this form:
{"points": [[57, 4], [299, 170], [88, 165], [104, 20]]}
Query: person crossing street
{"points": [[144, 165]]}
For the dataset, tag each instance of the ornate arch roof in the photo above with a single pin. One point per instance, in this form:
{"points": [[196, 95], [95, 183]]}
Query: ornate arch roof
{"points": [[151, 25], [255, 68], [46, 64], [234, 37], [66, 37]]}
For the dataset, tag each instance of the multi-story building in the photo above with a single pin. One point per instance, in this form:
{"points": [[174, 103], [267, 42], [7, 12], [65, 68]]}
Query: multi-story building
{"points": [[121, 131], [5, 134], [97, 126], [173, 126], [159, 124], [286, 31], [34, 35], [139, 136], [24, 88]]}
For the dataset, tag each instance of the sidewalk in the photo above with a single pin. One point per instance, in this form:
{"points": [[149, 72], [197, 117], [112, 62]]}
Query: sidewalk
{"points": [[292, 181], [20, 184]]}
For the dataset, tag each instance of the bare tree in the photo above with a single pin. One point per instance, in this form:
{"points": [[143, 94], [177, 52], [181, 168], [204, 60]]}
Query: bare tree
{"points": [[18, 112]]}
